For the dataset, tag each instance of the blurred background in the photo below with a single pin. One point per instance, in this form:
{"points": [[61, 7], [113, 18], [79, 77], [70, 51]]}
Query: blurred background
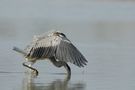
{"points": [[103, 30]]}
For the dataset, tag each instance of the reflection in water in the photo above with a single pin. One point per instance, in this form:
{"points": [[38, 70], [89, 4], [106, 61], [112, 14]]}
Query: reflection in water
{"points": [[57, 84]]}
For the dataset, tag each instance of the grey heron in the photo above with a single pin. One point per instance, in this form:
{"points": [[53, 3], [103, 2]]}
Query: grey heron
{"points": [[55, 47]]}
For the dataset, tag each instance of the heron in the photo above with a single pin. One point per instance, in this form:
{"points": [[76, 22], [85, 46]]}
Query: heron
{"points": [[55, 47]]}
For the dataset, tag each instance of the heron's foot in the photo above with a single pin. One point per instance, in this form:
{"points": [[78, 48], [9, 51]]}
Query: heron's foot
{"points": [[35, 72]]}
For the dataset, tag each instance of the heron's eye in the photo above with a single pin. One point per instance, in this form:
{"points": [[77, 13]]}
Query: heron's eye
{"points": [[62, 35]]}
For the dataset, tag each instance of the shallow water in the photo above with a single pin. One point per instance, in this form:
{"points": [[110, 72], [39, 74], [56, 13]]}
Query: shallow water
{"points": [[103, 31]]}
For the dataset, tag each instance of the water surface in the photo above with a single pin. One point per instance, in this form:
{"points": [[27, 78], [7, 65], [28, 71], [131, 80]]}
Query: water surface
{"points": [[103, 31]]}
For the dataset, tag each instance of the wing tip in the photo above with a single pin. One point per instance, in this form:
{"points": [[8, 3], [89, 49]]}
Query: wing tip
{"points": [[81, 63]]}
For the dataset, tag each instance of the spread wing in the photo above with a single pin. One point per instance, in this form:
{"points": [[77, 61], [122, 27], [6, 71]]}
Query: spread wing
{"points": [[59, 47], [67, 52], [41, 48]]}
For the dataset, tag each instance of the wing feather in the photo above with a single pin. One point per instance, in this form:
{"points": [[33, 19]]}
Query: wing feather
{"points": [[67, 52], [42, 48]]}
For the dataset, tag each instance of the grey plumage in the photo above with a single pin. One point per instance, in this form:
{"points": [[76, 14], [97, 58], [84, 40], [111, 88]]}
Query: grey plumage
{"points": [[55, 45], [58, 46]]}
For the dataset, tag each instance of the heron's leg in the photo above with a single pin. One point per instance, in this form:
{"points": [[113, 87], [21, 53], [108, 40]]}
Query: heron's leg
{"points": [[30, 67], [60, 64]]}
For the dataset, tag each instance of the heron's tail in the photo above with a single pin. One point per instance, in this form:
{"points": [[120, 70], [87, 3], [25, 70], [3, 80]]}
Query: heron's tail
{"points": [[19, 50]]}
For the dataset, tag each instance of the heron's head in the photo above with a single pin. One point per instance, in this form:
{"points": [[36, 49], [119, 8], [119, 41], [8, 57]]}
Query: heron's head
{"points": [[57, 33]]}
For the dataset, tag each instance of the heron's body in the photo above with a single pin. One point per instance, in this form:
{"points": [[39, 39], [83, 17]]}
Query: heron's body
{"points": [[57, 48]]}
